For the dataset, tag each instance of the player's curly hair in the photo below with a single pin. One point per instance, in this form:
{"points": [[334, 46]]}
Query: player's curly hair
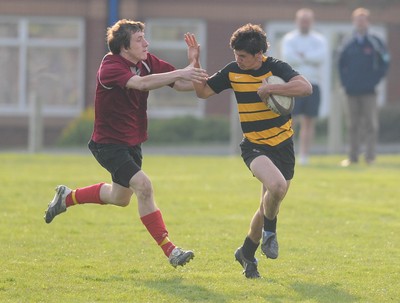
{"points": [[249, 38], [119, 35]]}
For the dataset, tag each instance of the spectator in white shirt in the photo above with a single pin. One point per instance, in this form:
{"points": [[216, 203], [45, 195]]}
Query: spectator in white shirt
{"points": [[306, 50]]}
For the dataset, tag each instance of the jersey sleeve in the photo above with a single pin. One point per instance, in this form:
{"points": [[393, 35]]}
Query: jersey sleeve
{"points": [[220, 80], [283, 70], [113, 73]]}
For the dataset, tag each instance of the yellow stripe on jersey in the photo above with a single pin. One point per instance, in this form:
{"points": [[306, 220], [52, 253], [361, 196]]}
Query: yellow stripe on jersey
{"points": [[245, 87], [272, 136], [251, 117], [245, 82], [251, 107], [249, 112], [236, 77]]}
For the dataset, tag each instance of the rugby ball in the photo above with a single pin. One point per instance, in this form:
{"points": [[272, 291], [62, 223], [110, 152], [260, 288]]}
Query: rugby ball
{"points": [[281, 105]]}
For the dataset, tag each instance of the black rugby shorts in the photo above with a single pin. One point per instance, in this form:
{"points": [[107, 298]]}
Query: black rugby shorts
{"points": [[122, 161], [283, 157]]}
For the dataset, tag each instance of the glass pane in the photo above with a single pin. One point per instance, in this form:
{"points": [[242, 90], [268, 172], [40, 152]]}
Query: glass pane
{"points": [[171, 32], [53, 73], [8, 29], [167, 97], [53, 30], [9, 75], [176, 57]]}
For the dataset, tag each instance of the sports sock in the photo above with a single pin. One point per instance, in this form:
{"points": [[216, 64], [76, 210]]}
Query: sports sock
{"points": [[89, 194], [155, 225], [270, 225], [249, 249]]}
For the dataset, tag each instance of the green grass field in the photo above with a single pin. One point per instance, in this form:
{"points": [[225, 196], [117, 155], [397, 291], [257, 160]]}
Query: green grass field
{"points": [[338, 234]]}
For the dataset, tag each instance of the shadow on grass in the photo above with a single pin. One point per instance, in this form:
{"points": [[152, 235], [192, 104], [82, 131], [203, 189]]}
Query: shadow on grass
{"points": [[189, 292], [330, 293]]}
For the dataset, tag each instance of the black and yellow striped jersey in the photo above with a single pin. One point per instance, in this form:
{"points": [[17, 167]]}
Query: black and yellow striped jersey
{"points": [[259, 124]]}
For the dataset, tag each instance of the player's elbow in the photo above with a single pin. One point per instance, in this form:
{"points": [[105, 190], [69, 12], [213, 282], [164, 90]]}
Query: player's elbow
{"points": [[143, 86], [203, 91], [308, 90], [201, 95]]}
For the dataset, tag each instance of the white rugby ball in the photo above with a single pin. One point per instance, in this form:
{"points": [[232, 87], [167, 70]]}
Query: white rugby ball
{"points": [[281, 105]]}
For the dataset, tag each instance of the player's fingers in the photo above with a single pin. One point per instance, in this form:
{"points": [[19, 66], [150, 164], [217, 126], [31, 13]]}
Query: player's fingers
{"points": [[192, 39], [200, 76], [188, 38], [199, 80]]}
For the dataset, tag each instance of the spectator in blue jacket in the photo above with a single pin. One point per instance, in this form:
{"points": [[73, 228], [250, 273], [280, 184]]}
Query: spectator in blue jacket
{"points": [[363, 62]]}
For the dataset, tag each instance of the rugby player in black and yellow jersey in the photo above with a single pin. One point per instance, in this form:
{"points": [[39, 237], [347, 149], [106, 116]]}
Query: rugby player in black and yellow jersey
{"points": [[267, 146]]}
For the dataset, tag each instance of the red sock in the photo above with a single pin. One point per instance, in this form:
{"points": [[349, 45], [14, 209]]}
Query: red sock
{"points": [[89, 194], [156, 227]]}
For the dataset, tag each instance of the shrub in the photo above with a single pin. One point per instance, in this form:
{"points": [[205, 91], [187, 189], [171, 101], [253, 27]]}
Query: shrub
{"points": [[181, 130], [78, 132], [188, 129]]}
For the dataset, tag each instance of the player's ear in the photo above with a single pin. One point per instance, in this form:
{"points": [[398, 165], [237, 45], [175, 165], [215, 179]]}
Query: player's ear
{"points": [[259, 55], [124, 49]]}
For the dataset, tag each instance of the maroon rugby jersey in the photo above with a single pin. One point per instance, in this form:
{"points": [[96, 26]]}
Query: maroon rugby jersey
{"points": [[121, 113]]}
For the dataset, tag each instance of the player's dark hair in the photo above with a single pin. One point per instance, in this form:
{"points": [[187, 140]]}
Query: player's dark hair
{"points": [[249, 38], [119, 35]]}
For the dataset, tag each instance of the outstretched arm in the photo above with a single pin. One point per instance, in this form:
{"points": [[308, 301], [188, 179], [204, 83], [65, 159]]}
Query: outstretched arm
{"points": [[201, 87], [153, 81]]}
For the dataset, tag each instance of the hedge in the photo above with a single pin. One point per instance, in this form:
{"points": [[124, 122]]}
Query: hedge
{"points": [[188, 129], [182, 130]]}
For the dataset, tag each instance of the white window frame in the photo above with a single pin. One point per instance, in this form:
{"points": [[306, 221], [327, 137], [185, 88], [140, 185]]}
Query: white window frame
{"points": [[23, 42], [198, 110]]}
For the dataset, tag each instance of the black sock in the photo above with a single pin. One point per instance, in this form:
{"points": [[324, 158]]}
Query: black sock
{"points": [[270, 225], [249, 249]]}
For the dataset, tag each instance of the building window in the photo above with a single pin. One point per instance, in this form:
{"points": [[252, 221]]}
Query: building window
{"points": [[166, 38], [42, 59]]}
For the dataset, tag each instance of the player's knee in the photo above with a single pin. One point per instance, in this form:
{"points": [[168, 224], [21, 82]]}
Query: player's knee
{"points": [[144, 189], [116, 195], [278, 190], [124, 202]]}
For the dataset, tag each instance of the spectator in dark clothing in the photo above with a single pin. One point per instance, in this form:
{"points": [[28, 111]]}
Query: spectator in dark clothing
{"points": [[363, 62]]}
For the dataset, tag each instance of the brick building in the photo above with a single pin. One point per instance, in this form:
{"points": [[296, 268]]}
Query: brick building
{"points": [[50, 51]]}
